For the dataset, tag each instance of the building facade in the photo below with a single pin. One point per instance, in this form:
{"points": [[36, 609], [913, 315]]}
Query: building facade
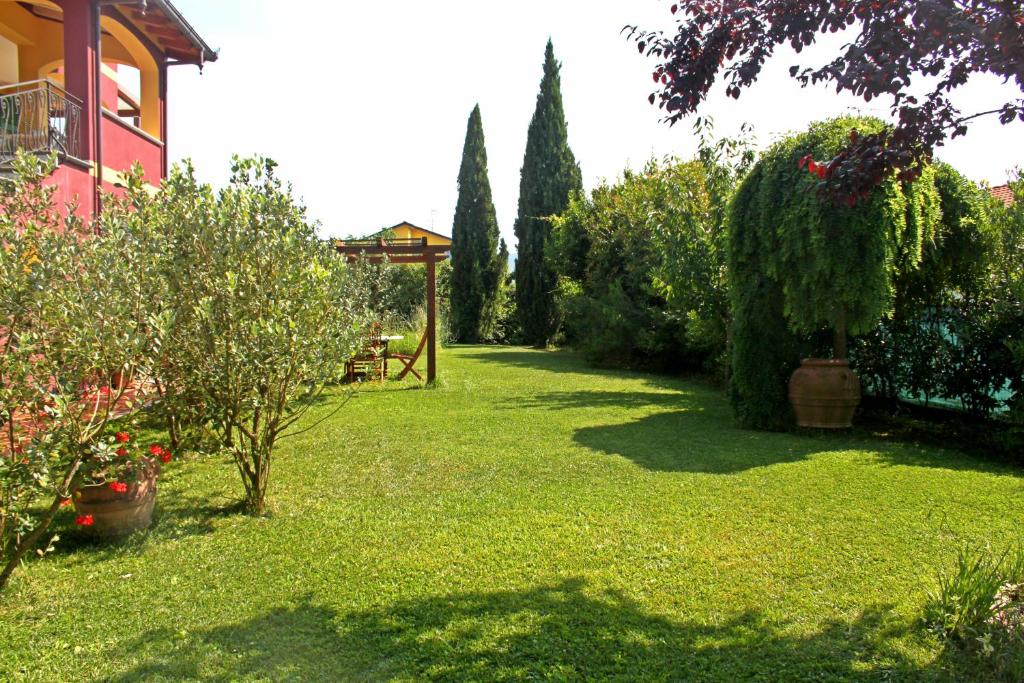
{"points": [[87, 80]]}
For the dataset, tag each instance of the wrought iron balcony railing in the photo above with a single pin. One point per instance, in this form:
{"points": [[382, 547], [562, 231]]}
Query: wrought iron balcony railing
{"points": [[40, 118]]}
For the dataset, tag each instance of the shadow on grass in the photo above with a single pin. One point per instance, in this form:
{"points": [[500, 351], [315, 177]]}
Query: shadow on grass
{"points": [[575, 400], [695, 432], [690, 433], [560, 631], [174, 516], [686, 441], [560, 361], [693, 440]]}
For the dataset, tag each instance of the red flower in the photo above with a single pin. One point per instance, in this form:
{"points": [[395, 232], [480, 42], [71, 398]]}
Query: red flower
{"points": [[65, 502], [121, 451], [118, 487], [122, 437], [84, 520], [165, 456], [156, 449]]}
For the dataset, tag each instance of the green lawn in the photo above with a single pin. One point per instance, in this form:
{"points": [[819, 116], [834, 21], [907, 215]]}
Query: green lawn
{"points": [[529, 518]]}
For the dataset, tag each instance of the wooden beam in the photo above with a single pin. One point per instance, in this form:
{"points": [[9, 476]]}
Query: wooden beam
{"points": [[393, 249], [155, 51], [396, 259], [431, 322]]}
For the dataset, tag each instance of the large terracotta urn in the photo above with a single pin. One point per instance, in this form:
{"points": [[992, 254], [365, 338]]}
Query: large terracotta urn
{"points": [[115, 513], [824, 393]]}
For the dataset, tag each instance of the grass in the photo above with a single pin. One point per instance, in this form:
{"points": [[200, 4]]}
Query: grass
{"points": [[529, 518]]}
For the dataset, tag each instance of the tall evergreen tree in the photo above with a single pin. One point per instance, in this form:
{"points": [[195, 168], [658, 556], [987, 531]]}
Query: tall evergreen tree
{"points": [[550, 175], [475, 269]]}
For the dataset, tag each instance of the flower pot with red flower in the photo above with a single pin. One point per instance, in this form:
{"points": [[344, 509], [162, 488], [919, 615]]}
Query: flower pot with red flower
{"points": [[117, 487]]}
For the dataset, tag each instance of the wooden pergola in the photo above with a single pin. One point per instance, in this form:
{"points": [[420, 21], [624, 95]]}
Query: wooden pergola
{"points": [[414, 250]]}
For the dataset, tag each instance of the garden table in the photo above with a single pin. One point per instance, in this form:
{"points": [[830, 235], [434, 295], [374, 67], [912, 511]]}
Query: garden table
{"points": [[390, 338]]}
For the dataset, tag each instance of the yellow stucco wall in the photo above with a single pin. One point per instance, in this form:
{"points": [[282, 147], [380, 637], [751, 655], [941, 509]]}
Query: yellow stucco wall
{"points": [[8, 61], [410, 231], [40, 42]]}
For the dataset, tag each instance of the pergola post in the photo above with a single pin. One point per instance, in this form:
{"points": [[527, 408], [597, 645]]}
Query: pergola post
{"points": [[431, 320]]}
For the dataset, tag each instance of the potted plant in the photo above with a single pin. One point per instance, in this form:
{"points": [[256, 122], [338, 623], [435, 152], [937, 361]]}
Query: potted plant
{"points": [[801, 263], [116, 489]]}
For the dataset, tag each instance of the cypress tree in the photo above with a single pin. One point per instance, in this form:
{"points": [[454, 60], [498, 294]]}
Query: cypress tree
{"points": [[475, 268], [550, 175]]}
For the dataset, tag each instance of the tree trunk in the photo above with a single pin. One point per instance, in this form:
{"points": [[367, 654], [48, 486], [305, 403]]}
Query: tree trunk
{"points": [[28, 542], [839, 350]]}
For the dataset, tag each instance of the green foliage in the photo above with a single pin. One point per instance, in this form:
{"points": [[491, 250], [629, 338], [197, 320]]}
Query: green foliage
{"points": [[265, 313], [957, 322], [476, 269], [640, 276], [1009, 274], [979, 607], [402, 293], [506, 316], [1008, 289], [73, 310], [642, 263], [764, 350], [799, 264], [955, 262], [398, 299], [694, 245], [549, 177], [835, 260]]}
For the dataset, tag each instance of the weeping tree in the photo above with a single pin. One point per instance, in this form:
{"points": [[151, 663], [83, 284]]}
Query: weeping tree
{"points": [[800, 264], [476, 271], [550, 176]]}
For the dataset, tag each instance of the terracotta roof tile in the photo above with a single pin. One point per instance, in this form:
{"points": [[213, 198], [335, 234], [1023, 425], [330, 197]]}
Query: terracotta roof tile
{"points": [[1003, 193]]}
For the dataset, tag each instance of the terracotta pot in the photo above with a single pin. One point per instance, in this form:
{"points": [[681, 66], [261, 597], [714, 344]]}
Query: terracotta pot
{"points": [[117, 514], [824, 393]]}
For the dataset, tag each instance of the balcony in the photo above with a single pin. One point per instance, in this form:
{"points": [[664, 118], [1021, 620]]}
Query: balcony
{"points": [[40, 118]]}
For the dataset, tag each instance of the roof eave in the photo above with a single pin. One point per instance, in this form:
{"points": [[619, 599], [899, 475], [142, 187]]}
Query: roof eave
{"points": [[206, 53]]}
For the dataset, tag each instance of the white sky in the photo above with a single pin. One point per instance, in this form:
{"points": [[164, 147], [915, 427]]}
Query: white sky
{"points": [[364, 104]]}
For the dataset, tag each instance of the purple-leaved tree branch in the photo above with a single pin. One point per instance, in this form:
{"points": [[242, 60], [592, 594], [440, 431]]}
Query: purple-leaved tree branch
{"points": [[912, 53]]}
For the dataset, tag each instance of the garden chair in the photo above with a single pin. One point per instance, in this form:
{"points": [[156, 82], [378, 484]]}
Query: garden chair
{"points": [[408, 362], [371, 361]]}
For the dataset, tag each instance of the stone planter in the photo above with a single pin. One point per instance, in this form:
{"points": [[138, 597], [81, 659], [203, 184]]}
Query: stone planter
{"points": [[117, 514], [824, 393]]}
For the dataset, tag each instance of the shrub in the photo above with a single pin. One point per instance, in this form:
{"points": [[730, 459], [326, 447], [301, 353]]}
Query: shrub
{"points": [[638, 262], [955, 330], [73, 311], [265, 316], [119, 461]]}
